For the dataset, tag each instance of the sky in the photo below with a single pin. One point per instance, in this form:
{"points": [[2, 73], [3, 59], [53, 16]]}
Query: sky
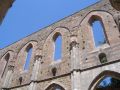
{"points": [[98, 33], [28, 16]]}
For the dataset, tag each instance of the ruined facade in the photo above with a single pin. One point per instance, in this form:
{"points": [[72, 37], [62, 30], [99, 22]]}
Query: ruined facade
{"points": [[82, 65], [4, 6]]}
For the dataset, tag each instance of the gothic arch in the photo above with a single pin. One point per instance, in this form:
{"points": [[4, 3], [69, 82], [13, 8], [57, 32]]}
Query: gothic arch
{"points": [[6, 58], [108, 23], [96, 20], [22, 54], [29, 42], [101, 76], [49, 43], [58, 30], [54, 86], [92, 12]]}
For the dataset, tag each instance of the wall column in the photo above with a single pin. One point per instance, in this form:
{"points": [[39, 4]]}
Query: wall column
{"points": [[75, 62], [32, 86], [75, 78], [35, 72], [8, 77]]}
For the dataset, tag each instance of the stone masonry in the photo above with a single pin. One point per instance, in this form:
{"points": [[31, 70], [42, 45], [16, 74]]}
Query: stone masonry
{"points": [[80, 67], [4, 6]]}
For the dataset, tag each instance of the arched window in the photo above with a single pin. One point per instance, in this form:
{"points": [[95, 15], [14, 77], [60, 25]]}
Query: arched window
{"points": [[107, 80], [102, 58], [109, 83], [55, 87], [28, 56], [57, 46], [98, 32], [4, 64]]}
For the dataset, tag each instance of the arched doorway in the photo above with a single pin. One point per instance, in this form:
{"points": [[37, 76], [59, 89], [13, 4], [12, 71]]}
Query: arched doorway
{"points": [[107, 80], [55, 87]]}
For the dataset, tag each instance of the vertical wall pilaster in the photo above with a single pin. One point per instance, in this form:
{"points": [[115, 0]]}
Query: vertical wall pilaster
{"points": [[32, 86], [8, 77], [74, 55], [75, 78], [75, 73], [18, 89], [35, 72]]}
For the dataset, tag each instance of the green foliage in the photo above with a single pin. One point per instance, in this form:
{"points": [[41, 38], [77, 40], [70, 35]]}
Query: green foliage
{"points": [[103, 60]]}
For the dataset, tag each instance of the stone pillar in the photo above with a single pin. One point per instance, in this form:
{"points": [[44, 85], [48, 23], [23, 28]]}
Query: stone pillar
{"points": [[32, 86], [35, 72], [75, 78], [8, 77], [18, 89], [75, 62]]}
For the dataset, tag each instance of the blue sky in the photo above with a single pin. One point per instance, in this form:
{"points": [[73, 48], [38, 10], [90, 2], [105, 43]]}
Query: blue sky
{"points": [[28, 16], [98, 33]]}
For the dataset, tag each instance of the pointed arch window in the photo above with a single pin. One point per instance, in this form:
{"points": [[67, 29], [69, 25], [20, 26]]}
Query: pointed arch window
{"points": [[57, 46], [4, 64], [55, 87], [28, 56], [98, 31], [107, 80], [109, 83]]}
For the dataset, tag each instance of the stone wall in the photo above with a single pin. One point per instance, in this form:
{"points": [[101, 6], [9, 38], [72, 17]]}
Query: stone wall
{"points": [[79, 65]]}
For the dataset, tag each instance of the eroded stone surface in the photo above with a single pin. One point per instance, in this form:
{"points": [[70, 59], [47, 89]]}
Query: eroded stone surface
{"points": [[79, 66]]}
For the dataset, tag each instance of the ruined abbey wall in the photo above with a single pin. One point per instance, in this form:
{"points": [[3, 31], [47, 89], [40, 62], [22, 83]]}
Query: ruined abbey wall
{"points": [[79, 68]]}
